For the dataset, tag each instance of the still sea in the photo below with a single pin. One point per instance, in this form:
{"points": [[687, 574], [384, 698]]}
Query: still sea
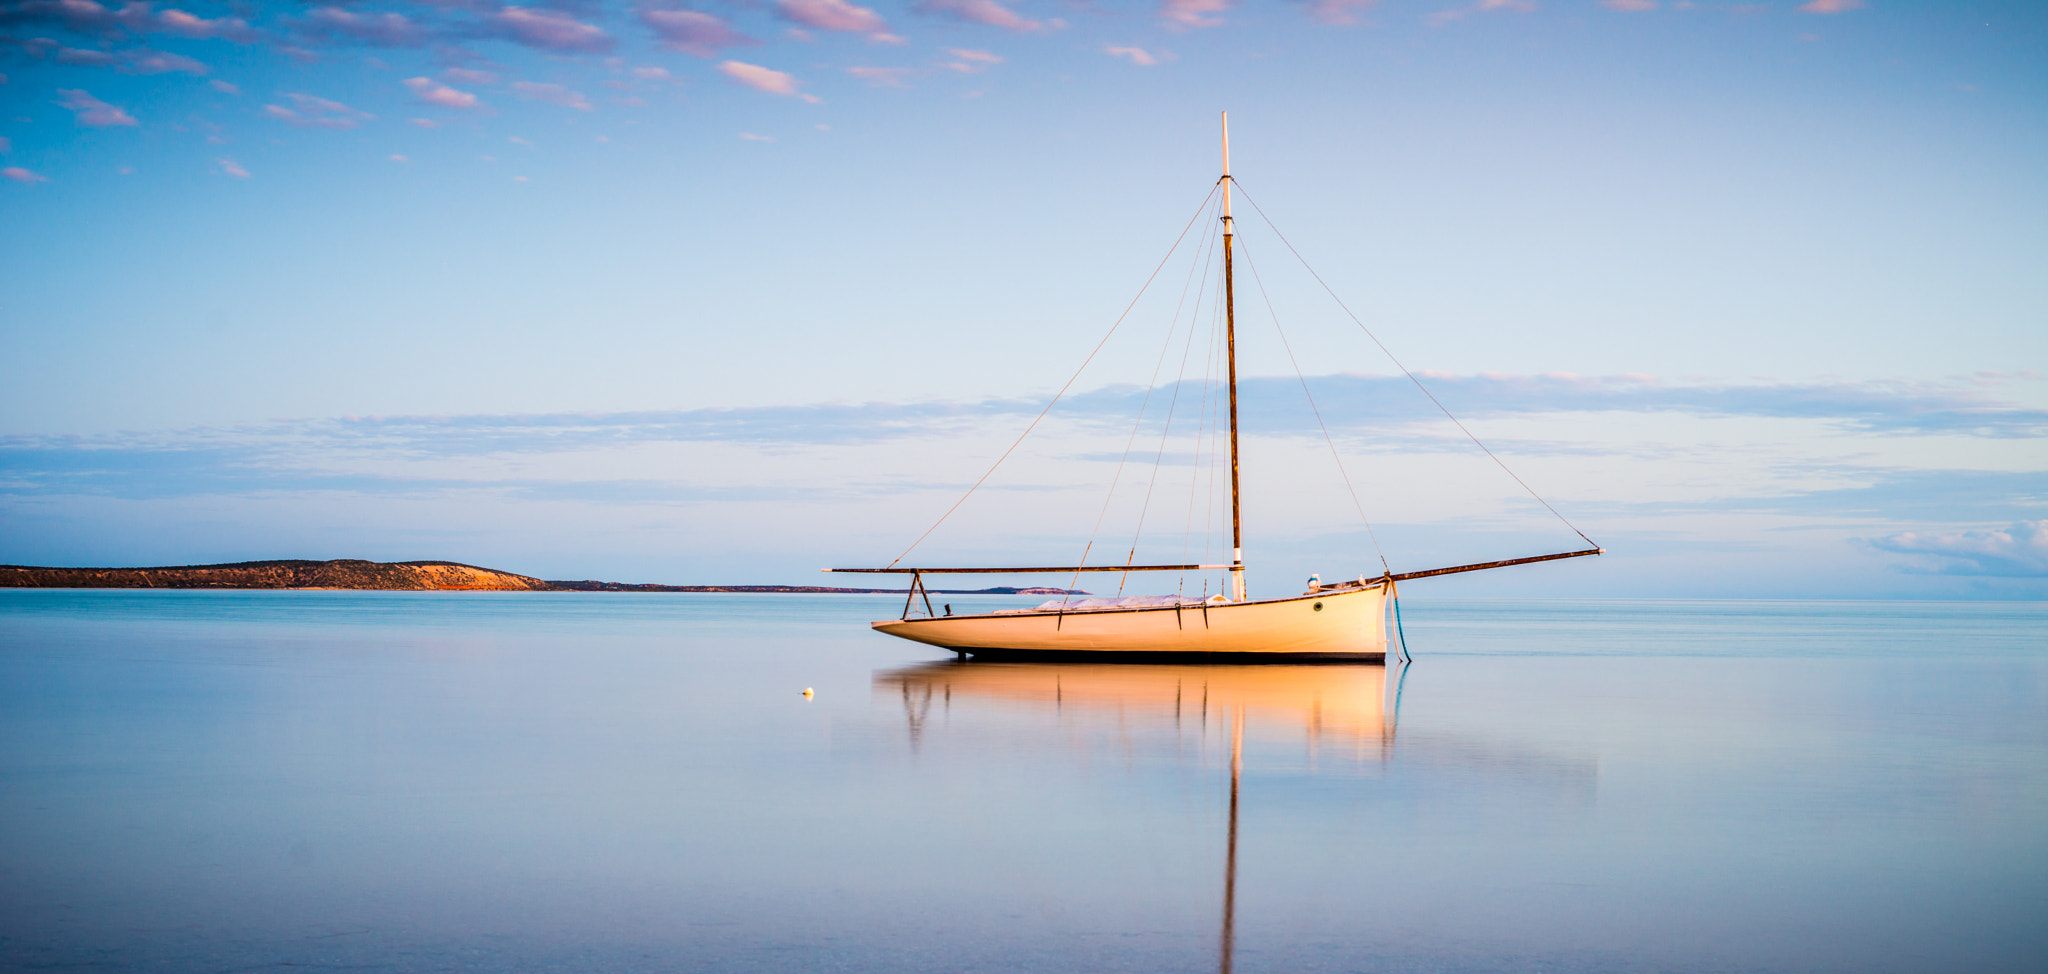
{"points": [[234, 781]]}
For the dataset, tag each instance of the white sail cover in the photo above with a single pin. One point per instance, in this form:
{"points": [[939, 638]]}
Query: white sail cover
{"points": [[1136, 600]]}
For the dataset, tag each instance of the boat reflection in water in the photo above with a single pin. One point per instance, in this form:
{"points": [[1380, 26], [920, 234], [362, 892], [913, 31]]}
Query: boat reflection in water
{"points": [[1348, 709]]}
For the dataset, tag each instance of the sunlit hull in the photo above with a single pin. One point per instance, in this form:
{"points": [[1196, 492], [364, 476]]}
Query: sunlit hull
{"points": [[1343, 624]]}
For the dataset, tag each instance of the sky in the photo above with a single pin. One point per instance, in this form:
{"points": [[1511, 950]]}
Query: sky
{"points": [[731, 291]]}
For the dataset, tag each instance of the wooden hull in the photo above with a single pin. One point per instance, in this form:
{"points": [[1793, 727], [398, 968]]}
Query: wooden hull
{"points": [[1346, 624]]}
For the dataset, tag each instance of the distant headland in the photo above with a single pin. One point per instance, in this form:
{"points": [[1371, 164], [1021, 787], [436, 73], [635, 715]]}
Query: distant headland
{"points": [[399, 576]]}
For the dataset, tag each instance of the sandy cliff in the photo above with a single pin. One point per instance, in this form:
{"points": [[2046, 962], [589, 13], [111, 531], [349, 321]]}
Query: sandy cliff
{"points": [[341, 574]]}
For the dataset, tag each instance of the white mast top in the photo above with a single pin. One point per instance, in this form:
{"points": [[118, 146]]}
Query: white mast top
{"points": [[1226, 173]]}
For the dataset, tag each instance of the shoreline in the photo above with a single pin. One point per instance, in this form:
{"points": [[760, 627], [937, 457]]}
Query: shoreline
{"points": [[356, 575]]}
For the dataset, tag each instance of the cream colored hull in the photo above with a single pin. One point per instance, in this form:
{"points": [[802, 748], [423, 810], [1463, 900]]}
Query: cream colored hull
{"points": [[1349, 623]]}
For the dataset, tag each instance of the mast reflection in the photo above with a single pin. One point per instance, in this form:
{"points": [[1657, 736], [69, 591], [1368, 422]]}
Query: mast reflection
{"points": [[1350, 704]]}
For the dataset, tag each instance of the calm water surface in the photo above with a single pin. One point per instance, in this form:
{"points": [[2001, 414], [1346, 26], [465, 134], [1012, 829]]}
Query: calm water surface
{"points": [[207, 781]]}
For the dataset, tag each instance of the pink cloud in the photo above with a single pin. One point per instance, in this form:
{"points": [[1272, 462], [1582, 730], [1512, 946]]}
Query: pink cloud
{"points": [[21, 175], [434, 93], [85, 16], [232, 168], [751, 137], [224, 87], [550, 30], [425, 123], [79, 15], [185, 25], [691, 32], [383, 30], [1136, 55], [971, 60], [139, 60], [552, 94], [1831, 6], [1629, 6], [93, 112], [1443, 17], [1190, 14], [6, 146], [159, 62], [1339, 11], [831, 15], [470, 76], [880, 77], [73, 55], [763, 79], [313, 112], [986, 12]]}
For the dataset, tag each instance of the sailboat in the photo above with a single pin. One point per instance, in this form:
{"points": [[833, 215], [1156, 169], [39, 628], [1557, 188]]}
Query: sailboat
{"points": [[1345, 620]]}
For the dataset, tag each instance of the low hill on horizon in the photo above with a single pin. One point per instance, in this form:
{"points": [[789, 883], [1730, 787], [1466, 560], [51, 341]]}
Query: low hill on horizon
{"points": [[341, 573], [401, 576]]}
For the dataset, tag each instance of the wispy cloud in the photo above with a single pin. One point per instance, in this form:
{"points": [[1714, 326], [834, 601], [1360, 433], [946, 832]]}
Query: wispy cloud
{"points": [[764, 79], [434, 93], [831, 15], [1136, 55], [229, 167], [309, 111], [987, 12], [1963, 408], [470, 76], [549, 30], [21, 175], [335, 24], [691, 31], [1442, 17], [224, 87], [89, 17], [972, 59], [145, 61], [1629, 6], [1831, 6], [1191, 14], [880, 77], [2019, 551], [1339, 11], [93, 112], [1349, 403], [138, 60], [552, 94]]}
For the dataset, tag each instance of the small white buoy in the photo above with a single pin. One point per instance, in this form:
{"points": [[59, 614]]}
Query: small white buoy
{"points": [[808, 693]]}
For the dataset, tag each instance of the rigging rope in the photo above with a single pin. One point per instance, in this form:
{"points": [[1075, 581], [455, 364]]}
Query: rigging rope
{"points": [[1341, 472], [1069, 384], [1195, 477], [1172, 404], [1404, 369], [1151, 386]]}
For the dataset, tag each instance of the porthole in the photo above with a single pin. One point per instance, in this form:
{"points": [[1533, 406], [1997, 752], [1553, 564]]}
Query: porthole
{"points": [[1319, 607]]}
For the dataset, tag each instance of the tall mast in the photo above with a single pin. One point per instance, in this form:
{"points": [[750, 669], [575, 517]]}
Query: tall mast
{"points": [[1230, 347]]}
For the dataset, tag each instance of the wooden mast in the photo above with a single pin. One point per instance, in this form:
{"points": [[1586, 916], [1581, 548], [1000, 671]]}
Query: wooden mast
{"points": [[1230, 351]]}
